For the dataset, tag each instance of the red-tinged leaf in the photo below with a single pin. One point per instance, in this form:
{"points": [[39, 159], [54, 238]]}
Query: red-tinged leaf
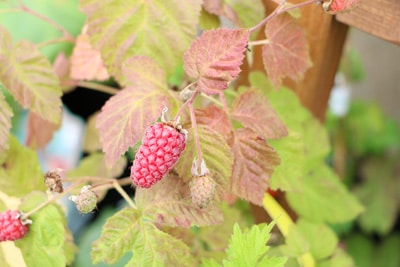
{"points": [[161, 29], [338, 6], [170, 204], [86, 62], [61, 66], [216, 154], [39, 131], [216, 119], [29, 77], [5, 122], [287, 53], [215, 58], [125, 116], [252, 109], [254, 162], [243, 13]]}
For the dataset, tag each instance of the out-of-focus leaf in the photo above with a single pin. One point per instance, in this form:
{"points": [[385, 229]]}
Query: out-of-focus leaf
{"points": [[321, 238], [254, 162], [208, 21], [29, 77], [252, 109], [324, 198], [339, 259], [296, 243], [379, 193], [125, 116], [61, 66], [361, 249], [215, 58], [121, 30], [169, 203], [5, 122], [387, 253], [86, 62], [286, 54], [21, 173], [39, 131], [92, 139]]}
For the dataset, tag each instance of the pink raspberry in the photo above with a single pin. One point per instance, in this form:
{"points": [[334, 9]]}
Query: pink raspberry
{"points": [[161, 148], [11, 227]]}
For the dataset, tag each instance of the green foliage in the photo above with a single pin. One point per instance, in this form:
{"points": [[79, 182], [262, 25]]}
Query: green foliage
{"points": [[21, 173], [248, 248], [47, 243]]}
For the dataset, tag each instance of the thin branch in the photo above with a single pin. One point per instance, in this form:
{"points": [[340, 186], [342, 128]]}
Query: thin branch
{"points": [[122, 192], [98, 87], [259, 42], [196, 132], [54, 41], [188, 102], [280, 10]]}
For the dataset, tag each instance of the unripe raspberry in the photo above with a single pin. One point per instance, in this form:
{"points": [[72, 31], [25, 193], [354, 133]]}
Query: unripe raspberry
{"points": [[202, 190], [86, 201], [161, 147], [11, 226]]}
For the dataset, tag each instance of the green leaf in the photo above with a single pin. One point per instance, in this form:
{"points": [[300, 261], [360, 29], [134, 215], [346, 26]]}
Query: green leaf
{"points": [[30, 77], [160, 29], [324, 198], [125, 116], [169, 204], [118, 236], [288, 175], [213, 146], [296, 244], [208, 21], [21, 173], [387, 253], [252, 110], [321, 238], [156, 248], [379, 193], [248, 248], [5, 122], [44, 245], [361, 249], [209, 263], [254, 162], [339, 259]]}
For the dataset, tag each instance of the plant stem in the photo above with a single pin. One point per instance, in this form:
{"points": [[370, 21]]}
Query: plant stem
{"points": [[280, 10], [188, 102], [212, 99], [223, 101], [259, 42], [98, 87], [51, 200], [196, 133], [284, 222], [122, 192], [53, 41]]}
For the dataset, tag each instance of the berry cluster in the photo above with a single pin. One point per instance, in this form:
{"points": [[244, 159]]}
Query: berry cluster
{"points": [[161, 147], [11, 226]]}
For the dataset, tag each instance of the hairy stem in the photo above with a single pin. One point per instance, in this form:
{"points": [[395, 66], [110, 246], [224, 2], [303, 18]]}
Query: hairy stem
{"points": [[223, 101], [259, 42], [98, 87], [280, 10], [188, 102], [284, 222], [196, 133]]}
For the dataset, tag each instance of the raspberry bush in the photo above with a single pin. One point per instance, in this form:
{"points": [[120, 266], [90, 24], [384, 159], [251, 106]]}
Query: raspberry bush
{"points": [[199, 143]]}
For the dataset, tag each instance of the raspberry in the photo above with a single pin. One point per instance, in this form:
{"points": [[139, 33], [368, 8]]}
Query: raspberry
{"points": [[161, 148], [11, 226], [202, 190], [86, 201]]}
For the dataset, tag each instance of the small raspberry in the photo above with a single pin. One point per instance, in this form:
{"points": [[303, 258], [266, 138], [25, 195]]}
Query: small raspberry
{"points": [[161, 148], [86, 201], [11, 226], [202, 190]]}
